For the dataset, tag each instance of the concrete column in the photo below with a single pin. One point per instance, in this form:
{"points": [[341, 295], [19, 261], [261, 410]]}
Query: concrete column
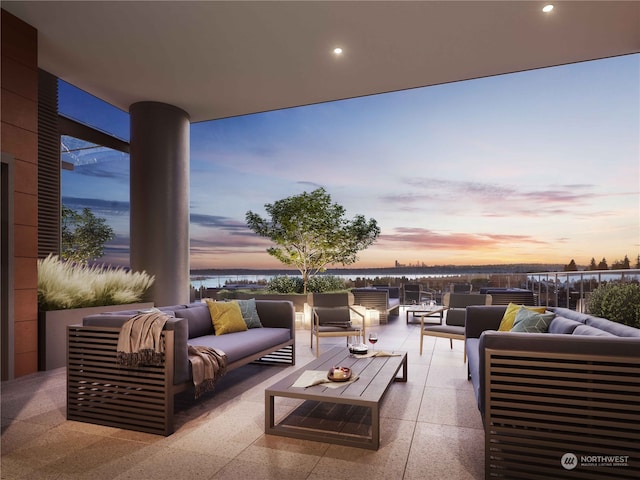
{"points": [[160, 199]]}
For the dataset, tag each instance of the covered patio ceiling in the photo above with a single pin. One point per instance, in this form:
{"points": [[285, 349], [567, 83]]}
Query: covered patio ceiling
{"points": [[223, 59]]}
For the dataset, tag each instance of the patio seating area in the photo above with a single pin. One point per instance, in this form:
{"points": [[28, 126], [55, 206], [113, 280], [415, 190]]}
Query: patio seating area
{"points": [[430, 427]]}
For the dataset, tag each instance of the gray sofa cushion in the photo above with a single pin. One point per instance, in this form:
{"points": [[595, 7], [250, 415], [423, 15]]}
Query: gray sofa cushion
{"points": [[448, 329], [199, 320], [570, 314], [591, 331], [617, 329], [239, 345], [563, 325]]}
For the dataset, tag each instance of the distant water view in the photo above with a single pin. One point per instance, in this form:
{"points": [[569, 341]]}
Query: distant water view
{"points": [[220, 278], [504, 274], [219, 281]]}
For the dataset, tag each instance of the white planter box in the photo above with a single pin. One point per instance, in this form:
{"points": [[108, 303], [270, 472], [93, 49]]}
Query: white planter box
{"points": [[52, 331]]}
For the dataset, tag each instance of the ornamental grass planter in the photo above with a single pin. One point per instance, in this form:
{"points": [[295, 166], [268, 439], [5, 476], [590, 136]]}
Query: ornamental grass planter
{"points": [[52, 330]]}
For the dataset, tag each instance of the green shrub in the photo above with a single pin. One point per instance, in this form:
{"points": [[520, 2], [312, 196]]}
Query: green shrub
{"points": [[225, 294], [317, 284], [285, 284], [618, 302], [325, 283], [63, 285]]}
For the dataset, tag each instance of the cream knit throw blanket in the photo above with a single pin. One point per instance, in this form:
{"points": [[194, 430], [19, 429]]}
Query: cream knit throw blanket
{"points": [[207, 366], [139, 342]]}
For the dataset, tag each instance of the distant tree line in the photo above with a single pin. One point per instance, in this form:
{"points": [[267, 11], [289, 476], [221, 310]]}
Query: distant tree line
{"points": [[603, 265]]}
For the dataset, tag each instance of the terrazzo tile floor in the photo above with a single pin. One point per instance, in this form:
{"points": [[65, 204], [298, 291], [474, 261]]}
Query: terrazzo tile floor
{"points": [[430, 428]]}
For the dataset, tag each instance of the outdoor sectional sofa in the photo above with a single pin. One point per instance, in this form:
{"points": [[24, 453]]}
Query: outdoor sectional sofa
{"points": [[574, 390], [142, 398]]}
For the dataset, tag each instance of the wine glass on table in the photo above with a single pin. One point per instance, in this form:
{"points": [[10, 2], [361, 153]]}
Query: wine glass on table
{"points": [[373, 338]]}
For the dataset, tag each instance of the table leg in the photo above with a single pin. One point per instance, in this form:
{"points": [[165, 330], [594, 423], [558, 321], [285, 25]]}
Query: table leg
{"points": [[375, 426], [404, 376], [269, 409]]}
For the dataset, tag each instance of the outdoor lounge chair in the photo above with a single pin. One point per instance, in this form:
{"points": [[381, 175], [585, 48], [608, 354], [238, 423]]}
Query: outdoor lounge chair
{"points": [[331, 317], [411, 293], [455, 317]]}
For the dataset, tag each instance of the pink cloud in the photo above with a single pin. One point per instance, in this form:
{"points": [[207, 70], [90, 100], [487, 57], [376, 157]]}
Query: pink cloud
{"points": [[421, 238]]}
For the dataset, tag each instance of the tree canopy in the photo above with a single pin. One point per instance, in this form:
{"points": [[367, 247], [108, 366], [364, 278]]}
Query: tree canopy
{"points": [[83, 235], [310, 232], [571, 267]]}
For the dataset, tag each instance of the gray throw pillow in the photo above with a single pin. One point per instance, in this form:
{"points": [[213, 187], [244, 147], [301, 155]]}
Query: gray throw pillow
{"points": [[532, 322], [249, 312]]}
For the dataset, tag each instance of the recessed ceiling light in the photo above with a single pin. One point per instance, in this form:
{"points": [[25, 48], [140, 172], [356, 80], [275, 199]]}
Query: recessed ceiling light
{"points": [[547, 8], [337, 51]]}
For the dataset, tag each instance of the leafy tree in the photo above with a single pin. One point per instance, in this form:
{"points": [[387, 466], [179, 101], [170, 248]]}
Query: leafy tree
{"points": [[83, 235], [603, 264], [572, 267], [638, 262], [309, 232], [593, 265]]}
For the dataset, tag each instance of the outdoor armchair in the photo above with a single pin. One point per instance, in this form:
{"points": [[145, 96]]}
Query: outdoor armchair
{"points": [[332, 316], [455, 317]]}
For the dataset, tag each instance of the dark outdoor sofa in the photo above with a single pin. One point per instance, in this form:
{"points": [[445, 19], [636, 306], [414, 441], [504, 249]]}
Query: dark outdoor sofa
{"points": [[575, 389], [382, 298], [101, 392], [505, 296]]}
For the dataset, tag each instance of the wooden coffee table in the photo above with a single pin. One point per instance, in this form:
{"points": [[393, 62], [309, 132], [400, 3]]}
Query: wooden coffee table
{"points": [[348, 415]]}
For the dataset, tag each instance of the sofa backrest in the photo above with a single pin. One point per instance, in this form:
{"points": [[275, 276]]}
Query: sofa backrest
{"points": [[458, 303], [394, 292], [463, 300], [595, 324], [198, 318], [507, 296], [615, 328], [337, 299]]}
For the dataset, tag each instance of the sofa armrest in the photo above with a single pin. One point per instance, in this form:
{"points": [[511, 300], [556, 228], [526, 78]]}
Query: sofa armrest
{"points": [[179, 326], [483, 317], [542, 345], [277, 314]]}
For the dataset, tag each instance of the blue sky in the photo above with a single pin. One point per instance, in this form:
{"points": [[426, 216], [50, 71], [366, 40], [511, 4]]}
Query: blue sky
{"points": [[533, 167]]}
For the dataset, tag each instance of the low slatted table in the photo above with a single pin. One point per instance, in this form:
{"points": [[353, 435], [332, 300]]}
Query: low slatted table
{"points": [[349, 415]]}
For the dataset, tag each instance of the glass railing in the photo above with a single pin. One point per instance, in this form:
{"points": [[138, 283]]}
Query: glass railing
{"points": [[572, 289]]}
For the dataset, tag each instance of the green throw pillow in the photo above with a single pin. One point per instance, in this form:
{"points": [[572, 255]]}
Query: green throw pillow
{"points": [[249, 312], [532, 322]]}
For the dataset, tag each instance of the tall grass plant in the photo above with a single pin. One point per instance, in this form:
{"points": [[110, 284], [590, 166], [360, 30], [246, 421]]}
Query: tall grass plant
{"points": [[63, 285]]}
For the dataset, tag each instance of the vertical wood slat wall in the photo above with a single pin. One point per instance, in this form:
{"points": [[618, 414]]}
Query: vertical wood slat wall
{"points": [[541, 406], [101, 392], [48, 166]]}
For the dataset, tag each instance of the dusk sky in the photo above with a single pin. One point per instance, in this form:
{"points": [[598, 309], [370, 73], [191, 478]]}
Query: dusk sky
{"points": [[533, 167]]}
